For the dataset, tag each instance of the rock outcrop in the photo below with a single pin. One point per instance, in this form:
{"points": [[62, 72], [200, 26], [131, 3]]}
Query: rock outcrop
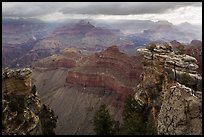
{"points": [[181, 112], [171, 86], [21, 105], [18, 81], [19, 118]]}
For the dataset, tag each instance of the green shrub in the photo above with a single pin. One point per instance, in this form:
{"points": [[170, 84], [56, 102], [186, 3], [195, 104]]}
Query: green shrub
{"points": [[33, 89], [154, 91], [133, 118], [48, 120], [180, 49], [133, 125], [103, 124], [151, 46], [17, 103]]}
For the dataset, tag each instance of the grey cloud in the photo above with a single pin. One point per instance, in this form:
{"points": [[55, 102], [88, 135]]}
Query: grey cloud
{"points": [[35, 9], [29, 9], [122, 8]]}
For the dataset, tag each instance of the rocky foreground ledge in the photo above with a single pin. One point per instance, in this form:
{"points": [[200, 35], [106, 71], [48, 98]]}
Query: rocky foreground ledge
{"points": [[16, 80], [22, 111], [177, 67], [171, 87]]}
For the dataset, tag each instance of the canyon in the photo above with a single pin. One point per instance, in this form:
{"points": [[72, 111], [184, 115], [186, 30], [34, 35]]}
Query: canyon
{"points": [[105, 77], [25, 41], [78, 66]]}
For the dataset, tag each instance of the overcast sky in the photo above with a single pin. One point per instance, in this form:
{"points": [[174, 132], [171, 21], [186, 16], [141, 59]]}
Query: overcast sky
{"points": [[174, 12]]}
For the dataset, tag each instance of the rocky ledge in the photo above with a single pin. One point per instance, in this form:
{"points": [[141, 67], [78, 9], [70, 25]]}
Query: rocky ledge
{"points": [[181, 68], [22, 113], [16, 80], [172, 87], [20, 105]]}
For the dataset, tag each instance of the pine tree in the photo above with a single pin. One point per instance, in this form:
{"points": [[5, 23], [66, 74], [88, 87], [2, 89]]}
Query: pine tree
{"points": [[132, 118], [151, 46], [133, 125], [103, 124], [131, 106], [48, 120]]}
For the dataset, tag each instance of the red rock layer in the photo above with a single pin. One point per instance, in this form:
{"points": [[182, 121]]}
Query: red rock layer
{"points": [[110, 69]]}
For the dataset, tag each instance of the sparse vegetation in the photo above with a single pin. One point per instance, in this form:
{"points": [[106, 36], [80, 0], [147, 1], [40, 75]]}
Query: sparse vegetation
{"points": [[33, 89], [151, 46], [48, 120], [17, 103], [103, 124], [133, 118], [137, 119], [153, 92], [180, 49]]}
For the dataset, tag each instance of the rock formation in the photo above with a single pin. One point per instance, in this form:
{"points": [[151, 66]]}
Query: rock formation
{"points": [[67, 58], [110, 69], [105, 77], [171, 86], [18, 81], [18, 39], [21, 104]]}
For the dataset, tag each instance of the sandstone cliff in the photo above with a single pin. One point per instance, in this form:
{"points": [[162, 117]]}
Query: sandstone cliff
{"points": [[171, 86]]}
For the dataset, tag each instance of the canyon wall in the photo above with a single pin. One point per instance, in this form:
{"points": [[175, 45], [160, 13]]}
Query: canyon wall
{"points": [[109, 69], [171, 86]]}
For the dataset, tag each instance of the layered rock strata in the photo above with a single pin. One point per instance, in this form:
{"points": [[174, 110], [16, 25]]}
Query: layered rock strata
{"points": [[171, 86], [110, 69], [18, 81], [66, 58]]}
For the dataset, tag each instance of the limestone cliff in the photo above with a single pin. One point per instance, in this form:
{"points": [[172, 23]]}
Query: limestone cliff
{"points": [[171, 86], [22, 111]]}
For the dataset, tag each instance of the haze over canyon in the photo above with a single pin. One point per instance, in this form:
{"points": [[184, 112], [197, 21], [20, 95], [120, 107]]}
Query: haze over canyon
{"points": [[62, 61]]}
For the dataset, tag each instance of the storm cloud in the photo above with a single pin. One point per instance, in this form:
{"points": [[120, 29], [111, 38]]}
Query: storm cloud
{"points": [[62, 10], [30, 9], [122, 8]]}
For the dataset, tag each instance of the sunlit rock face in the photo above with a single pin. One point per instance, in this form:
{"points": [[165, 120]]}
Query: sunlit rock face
{"points": [[171, 85], [17, 81], [181, 112]]}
